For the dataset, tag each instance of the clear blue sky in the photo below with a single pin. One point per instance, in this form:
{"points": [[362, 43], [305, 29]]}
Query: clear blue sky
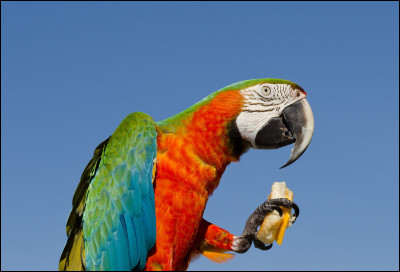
{"points": [[70, 72]]}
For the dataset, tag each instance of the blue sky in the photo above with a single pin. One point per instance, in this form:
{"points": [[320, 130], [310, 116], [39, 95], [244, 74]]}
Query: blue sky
{"points": [[72, 71]]}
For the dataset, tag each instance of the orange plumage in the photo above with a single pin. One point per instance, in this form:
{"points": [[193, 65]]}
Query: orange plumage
{"points": [[193, 152]]}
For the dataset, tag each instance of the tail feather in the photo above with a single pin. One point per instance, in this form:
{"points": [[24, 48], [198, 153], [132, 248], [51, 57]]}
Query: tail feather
{"points": [[73, 256]]}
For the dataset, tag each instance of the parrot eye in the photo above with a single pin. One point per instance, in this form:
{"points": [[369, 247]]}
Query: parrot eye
{"points": [[266, 90]]}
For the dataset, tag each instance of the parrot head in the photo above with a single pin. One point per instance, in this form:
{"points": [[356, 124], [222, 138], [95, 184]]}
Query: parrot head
{"points": [[258, 113], [275, 113]]}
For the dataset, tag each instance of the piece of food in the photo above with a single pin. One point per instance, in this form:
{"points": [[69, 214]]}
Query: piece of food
{"points": [[274, 226]]}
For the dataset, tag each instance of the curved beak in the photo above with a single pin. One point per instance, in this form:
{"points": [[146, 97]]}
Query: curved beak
{"points": [[295, 125], [299, 119]]}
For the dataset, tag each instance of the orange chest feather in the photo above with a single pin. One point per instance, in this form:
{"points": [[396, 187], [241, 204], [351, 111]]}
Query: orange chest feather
{"points": [[190, 162]]}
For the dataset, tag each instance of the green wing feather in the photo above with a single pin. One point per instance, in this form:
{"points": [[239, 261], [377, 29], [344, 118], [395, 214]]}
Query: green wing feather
{"points": [[118, 220], [72, 257]]}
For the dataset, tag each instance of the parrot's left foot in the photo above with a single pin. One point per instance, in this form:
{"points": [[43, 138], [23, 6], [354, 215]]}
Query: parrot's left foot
{"points": [[242, 243]]}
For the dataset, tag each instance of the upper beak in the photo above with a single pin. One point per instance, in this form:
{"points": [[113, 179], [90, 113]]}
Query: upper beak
{"points": [[299, 120], [295, 125]]}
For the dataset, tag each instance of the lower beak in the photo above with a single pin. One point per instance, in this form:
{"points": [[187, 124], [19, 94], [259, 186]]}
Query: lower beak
{"points": [[295, 125]]}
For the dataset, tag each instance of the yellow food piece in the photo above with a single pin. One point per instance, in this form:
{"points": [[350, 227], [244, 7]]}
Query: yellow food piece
{"points": [[274, 226], [285, 220]]}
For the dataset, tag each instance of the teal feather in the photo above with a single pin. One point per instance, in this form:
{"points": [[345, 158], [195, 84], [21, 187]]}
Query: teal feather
{"points": [[119, 225], [132, 241], [149, 227], [122, 249], [111, 253], [141, 242]]}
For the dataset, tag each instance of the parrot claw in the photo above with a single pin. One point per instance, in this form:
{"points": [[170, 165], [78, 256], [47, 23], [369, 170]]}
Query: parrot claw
{"points": [[242, 243], [260, 245], [284, 202]]}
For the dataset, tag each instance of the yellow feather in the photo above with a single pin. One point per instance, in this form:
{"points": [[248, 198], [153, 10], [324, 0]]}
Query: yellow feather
{"points": [[73, 260], [218, 257], [154, 170]]}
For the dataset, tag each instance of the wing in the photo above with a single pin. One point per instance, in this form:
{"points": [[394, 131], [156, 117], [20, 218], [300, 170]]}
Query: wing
{"points": [[72, 257], [118, 224]]}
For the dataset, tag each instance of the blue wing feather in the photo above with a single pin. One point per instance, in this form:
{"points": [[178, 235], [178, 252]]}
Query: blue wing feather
{"points": [[119, 225]]}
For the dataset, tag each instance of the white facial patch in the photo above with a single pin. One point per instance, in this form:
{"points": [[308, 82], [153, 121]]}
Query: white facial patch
{"points": [[263, 102], [249, 123]]}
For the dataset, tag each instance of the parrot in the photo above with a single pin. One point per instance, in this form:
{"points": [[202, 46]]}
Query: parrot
{"points": [[140, 201]]}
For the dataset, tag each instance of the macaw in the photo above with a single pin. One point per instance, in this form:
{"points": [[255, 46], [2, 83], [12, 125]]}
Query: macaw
{"points": [[140, 200]]}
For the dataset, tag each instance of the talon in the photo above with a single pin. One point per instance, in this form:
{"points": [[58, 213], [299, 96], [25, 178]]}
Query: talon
{"points": [[260, 245], [284, 202], [296, 211]]}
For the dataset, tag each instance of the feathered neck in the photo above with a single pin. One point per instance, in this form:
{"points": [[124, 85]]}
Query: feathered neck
{"points": [[209, 127]]}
